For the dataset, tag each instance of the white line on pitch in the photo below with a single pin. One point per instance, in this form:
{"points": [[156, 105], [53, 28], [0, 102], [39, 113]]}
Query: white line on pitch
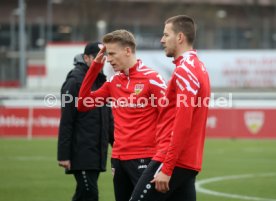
{"points": [[201, 189]]}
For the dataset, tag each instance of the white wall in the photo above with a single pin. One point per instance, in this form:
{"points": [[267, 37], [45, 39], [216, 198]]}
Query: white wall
{"points": [[227, 68]]}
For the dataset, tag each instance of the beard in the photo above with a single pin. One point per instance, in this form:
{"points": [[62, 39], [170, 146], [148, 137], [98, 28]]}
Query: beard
{"points": [[170, 53]]}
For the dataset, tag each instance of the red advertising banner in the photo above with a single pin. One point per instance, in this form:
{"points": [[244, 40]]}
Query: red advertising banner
{"points": [[241, 123], [26, 122], [221, 123]]}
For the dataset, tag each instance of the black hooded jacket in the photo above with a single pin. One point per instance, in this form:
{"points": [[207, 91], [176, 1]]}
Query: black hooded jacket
{"points": [[83, 136]]}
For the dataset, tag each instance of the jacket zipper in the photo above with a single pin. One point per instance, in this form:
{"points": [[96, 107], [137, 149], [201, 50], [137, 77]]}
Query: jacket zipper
{"points": [[128, 81]]}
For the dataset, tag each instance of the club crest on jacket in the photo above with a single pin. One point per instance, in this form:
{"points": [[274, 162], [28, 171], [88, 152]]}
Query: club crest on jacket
{"points": [[138, 88]]}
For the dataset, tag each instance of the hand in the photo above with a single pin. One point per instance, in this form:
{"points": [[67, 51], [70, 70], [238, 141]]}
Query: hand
{"points": [[65, 164], [100, 58], [161, 181]]}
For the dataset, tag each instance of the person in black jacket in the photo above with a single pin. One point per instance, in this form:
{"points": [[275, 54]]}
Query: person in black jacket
{"points": [[83, 136]]}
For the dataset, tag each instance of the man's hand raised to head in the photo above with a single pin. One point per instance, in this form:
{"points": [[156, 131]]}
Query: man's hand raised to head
{"points": [[100, 58]]}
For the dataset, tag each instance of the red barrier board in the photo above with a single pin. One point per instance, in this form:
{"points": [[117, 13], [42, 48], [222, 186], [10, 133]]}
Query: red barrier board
{"points": [[13, 121], [221, 123], [29, 122], [241, 123]]}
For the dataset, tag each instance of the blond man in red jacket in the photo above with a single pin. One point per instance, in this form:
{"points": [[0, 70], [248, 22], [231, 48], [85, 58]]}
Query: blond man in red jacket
{"points": [[134, 93]]}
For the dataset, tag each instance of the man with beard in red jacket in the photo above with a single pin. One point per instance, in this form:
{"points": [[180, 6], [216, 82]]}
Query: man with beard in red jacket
{"points": [[181, 125]]}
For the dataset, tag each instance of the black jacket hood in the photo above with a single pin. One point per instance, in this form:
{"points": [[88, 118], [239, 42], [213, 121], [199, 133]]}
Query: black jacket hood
{"points": [[78, 59]]}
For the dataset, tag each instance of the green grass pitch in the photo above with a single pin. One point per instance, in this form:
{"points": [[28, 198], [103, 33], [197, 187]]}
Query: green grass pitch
{"points": [[29, 171]]}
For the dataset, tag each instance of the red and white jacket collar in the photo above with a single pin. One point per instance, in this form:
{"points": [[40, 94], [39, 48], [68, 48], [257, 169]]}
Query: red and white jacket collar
{"points": [[185, 55]]}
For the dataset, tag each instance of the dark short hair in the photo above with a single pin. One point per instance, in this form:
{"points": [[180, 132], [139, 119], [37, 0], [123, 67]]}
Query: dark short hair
{"points": [[123, 37], [92, 48], [184, 24]]}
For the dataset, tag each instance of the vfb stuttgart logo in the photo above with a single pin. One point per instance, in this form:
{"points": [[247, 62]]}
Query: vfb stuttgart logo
{"points": [[138, 88], [254, 121]]}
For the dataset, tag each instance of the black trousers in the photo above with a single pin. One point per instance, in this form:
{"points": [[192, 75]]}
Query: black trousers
{"points": [[87, 185], [126, 175], [182, 185]]}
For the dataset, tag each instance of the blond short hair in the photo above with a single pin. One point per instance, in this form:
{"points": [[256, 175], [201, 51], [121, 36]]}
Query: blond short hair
{"points": [[123, 37]]}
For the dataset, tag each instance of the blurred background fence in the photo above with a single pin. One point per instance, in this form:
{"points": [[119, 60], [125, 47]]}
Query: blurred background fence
{"points": [[236, 39], [222, 24]]}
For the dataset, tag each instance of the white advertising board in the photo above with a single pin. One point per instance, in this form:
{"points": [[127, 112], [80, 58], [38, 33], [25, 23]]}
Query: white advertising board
{"points": [[241, 68], [227, 68]]}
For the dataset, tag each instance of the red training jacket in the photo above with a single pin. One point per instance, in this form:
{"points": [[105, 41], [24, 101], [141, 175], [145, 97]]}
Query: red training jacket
{"points": [[181, 128], [134, 112]]}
